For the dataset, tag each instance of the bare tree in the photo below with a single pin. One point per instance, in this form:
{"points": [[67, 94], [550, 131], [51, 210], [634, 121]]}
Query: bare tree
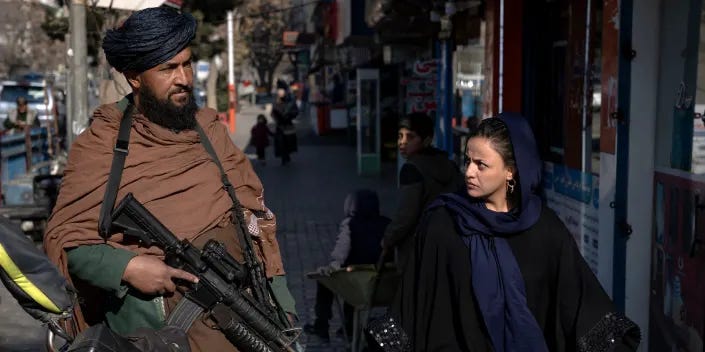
{"points": [[23, 44], [262, 30]]}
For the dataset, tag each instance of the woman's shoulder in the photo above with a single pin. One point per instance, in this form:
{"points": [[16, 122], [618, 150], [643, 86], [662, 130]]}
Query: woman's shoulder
{"points": [[438, 214], [437, 229], [436, 219], [550, 225]]}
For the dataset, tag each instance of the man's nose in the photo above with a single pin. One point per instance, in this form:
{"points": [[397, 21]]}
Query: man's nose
{"points": [[181, 76]]}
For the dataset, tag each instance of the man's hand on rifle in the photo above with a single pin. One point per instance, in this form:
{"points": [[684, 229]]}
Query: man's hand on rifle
{"points": [[150, 275]]}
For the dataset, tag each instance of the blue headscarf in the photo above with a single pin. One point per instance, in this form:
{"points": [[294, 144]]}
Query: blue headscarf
{"points": [[148, 38], [496, 279]]}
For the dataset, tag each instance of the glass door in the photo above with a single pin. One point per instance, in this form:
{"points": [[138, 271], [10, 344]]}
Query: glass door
{"points": [[368, 122]]}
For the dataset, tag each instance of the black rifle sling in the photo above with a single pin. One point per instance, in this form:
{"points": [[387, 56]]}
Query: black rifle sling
{"points": [[241, 226], [119, 155]]}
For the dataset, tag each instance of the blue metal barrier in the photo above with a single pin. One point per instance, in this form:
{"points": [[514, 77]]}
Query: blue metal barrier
{"points": [[14, 153]]}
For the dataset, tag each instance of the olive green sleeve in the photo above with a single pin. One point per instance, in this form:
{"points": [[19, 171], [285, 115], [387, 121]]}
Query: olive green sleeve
{"points": [[100, 265], [282, 294]]}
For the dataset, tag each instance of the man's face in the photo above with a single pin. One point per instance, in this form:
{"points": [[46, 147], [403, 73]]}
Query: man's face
{"points": [[171, 80], [21, 106], [165, 93]]}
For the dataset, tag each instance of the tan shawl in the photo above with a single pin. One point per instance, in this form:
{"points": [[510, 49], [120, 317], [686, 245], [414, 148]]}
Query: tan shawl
{"points": [[170, 173]]}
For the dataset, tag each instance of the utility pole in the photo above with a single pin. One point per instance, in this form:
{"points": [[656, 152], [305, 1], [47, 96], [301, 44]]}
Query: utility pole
{"points": [[232, 92], [77, 117]]}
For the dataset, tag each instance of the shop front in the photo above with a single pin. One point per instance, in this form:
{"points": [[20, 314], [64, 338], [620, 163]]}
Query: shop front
{"points": [[677, 256]]}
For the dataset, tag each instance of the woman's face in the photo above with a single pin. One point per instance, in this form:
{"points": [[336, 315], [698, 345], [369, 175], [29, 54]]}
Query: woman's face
{"points": [[486, 175]]}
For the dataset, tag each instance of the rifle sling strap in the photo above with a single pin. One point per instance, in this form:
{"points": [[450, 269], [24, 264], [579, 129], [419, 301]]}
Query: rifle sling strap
{"points": [[238, 216], [119, 154]]}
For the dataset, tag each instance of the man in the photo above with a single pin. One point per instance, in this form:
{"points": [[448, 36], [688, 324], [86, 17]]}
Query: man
{"points": [[22, 117], [426, 173], [170, 172]]}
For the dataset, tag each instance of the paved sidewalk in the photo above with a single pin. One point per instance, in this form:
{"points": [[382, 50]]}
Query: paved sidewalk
{"points": [[307, 197]]}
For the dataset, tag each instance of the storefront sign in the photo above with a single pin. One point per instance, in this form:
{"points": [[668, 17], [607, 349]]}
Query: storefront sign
{"points": [[574, 196], [421, 88]]}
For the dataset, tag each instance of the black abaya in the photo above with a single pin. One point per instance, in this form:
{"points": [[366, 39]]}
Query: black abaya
{"points": [[438, 311]]}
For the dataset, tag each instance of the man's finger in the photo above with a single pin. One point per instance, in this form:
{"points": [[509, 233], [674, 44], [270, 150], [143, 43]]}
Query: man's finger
{"points": [[180, 274], [169, 286]]}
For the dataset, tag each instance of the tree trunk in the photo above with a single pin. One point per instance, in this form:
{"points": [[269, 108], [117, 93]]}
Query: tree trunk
{"points": [[270, 79], [211, 86]]}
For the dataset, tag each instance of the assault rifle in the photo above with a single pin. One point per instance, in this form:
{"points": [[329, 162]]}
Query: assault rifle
{"points": [[250, 325]]}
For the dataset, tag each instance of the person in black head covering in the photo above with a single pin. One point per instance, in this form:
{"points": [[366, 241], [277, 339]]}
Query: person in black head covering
{"points": [[284, 112], [169, 170], [357, 243]]}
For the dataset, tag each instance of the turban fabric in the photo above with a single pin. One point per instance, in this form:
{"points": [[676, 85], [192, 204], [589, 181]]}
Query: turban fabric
{"points": [[148, 38]]}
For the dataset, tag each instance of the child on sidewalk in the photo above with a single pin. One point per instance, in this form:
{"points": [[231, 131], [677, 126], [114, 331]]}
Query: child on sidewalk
{"points": [[260, 137], [358, 243]]}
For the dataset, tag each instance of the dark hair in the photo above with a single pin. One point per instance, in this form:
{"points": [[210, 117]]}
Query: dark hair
{"points": [[419, 123], [261, 118], [495, 130], [21, 100]]}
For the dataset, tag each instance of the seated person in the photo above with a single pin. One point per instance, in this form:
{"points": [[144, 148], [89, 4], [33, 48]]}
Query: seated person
{"points": [[358, 243], [22, 117]]}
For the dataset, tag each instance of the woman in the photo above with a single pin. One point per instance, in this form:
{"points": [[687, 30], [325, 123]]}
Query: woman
{"points": [[496, 270], [284, 112]]}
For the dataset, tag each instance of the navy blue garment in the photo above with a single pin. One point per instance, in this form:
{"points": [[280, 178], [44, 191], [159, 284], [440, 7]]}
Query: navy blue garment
{"points": [[148, 38], [497, 281], [366, 227]]}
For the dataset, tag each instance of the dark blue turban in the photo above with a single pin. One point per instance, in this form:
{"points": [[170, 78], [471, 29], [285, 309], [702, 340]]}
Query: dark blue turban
{"points": [[148, 38]]}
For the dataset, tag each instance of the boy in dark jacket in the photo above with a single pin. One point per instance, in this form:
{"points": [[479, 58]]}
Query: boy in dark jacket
{"points": [[426, 173]]}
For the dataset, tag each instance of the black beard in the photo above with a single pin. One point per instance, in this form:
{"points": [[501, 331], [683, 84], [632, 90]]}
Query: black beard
{"points": [[165, 113]]}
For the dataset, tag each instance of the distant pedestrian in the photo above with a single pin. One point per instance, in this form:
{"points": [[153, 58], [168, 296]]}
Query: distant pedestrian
{"points": [[284, 112], [260, 137]]}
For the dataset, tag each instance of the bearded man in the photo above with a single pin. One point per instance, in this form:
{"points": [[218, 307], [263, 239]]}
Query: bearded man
{"points": [[170, 172]]}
